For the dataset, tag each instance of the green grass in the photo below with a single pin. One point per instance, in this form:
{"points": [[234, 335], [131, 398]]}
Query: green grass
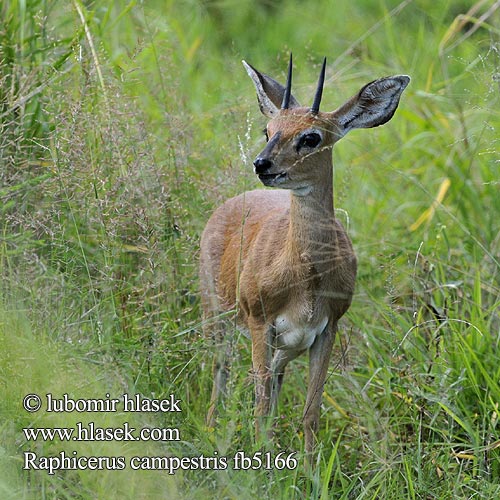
{"points": [[124, 124]]}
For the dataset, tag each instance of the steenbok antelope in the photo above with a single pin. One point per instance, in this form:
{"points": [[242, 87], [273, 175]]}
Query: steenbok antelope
{"points": [[280, 258]]}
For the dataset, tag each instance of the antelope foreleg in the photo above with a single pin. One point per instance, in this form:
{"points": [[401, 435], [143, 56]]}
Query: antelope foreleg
{"points": [[261, 363], [319, 358]]}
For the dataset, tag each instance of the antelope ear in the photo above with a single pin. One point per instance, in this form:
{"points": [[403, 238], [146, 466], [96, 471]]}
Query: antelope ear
{"points": [[373, 105], [269, 92]]}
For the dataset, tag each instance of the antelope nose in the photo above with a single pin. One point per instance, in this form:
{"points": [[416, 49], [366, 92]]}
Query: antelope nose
{"points": [[262, 165]]}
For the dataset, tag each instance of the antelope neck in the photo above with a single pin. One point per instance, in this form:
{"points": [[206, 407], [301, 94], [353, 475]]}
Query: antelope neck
{"points": [[312, 219]]}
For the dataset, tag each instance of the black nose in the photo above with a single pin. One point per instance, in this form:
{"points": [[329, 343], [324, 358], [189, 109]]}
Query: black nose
{"points": [[262, 165]]}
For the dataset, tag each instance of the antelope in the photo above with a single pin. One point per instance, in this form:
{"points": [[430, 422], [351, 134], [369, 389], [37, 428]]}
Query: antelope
{"points": [[279, 258]]}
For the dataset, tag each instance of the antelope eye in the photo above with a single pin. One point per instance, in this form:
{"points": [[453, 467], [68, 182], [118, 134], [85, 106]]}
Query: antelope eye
{"points": [[266, 134], [309, 140]]}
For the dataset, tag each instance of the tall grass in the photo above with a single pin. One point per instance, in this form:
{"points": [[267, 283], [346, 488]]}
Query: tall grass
{"points": [[123, 124]]}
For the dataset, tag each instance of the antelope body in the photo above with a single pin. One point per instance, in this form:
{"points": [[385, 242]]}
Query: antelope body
{"points": [[280, 258]]}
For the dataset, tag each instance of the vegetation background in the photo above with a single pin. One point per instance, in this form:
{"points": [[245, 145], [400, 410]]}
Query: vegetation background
{"points": [[124, 123]]}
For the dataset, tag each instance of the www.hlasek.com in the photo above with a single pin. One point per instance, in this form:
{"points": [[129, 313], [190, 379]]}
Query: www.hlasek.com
{"points": [[91, 432]]}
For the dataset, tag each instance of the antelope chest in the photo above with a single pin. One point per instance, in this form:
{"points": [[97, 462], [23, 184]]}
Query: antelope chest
{"points": [[297, 334]]}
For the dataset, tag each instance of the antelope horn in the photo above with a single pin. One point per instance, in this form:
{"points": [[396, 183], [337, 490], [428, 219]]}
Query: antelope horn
{"points": [[288, 90], [319, 90]]}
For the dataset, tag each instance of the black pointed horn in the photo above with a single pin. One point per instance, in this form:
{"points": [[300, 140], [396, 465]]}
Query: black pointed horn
{"points": [[319, 90], [288, 90]]}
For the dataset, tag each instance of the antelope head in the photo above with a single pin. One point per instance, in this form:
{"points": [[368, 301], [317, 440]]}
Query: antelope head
{"points": [[300, 139]]}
